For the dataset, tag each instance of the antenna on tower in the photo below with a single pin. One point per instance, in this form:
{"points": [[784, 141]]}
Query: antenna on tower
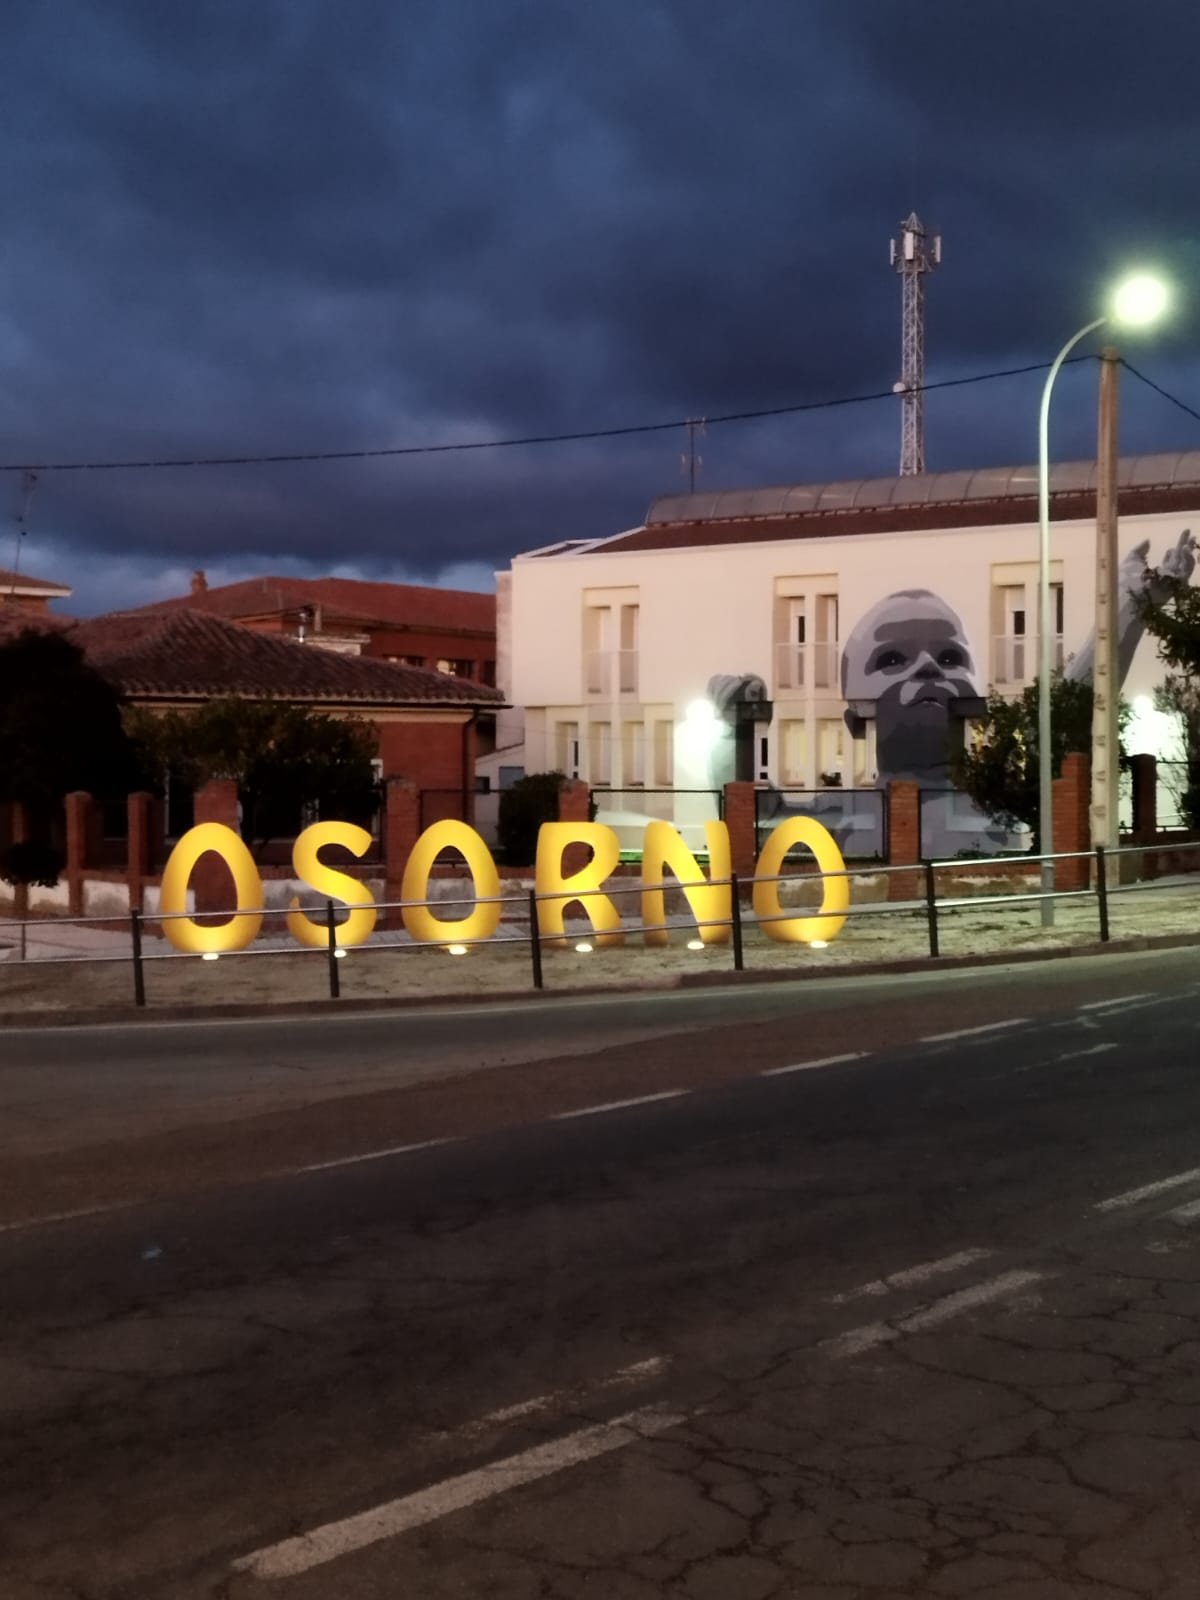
{"points": [[914, 254], [690, 462]]}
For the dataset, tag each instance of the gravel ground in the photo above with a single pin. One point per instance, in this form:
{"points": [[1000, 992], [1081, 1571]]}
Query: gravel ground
{"points": [[99, 973]]}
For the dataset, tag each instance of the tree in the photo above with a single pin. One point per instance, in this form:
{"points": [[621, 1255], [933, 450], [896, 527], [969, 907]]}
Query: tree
{"points": [[524, 806], [282, 757], [1000, 770], [60, 727], [1171, 614]]}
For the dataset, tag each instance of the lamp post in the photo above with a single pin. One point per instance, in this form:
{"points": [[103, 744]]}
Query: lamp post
{"points": [[1139, 300]]}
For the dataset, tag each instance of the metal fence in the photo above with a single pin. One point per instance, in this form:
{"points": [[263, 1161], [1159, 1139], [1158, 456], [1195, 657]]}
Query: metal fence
{"points": [[951, 828], [660, 803], [135, 928], [857, 818]]}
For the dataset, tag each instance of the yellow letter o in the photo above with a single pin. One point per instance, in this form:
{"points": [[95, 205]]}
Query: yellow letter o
{"points": [[482, 922], [835, 892], [184, 932]]}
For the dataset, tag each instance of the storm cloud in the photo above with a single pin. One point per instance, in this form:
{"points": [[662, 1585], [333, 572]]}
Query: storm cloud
{"points": [[288, 226]]}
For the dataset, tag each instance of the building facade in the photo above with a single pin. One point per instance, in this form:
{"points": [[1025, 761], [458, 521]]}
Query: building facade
{"points": [[825, 637]]}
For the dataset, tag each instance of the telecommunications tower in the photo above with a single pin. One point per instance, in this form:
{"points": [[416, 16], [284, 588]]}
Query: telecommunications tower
{"points": [[914, 254]]}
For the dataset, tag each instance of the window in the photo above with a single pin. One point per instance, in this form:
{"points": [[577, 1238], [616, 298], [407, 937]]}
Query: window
{"points": [[455, 667], [806, 635], [664, 753], [600, 752], [633, 754], [627, 658], [793, 752], [566, 748], [597, 651], [831, 734]]}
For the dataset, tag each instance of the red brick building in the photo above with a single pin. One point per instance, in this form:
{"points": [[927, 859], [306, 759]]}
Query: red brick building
{"points": [[441, 630], [426, 723]]}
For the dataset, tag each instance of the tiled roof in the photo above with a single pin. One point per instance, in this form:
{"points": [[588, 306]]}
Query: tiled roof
{"points": [[186, 654], [27, 582], [402, 605], [1064, 507], [18, 619]]}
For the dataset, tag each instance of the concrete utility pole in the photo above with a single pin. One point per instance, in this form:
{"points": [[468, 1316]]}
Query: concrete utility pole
{"points": [[1106, 671], [914, 254]]}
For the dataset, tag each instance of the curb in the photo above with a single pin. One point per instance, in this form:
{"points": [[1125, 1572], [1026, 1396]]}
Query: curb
{"points": [[239, 1010]]}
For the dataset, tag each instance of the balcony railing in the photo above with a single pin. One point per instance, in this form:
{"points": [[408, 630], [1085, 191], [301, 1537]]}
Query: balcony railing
{"points": [[1015, 659], [601, 666], [807, 667]]}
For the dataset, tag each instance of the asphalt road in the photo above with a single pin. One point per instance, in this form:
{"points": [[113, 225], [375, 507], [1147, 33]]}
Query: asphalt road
{"points": [[921, 1322]]}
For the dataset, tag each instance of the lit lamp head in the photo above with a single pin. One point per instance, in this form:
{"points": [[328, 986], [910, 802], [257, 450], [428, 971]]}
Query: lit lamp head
{"points": [[1140, 300]]}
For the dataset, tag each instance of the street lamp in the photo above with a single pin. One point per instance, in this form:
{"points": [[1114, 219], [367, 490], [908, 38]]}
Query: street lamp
{"points": [[1137, 301]]}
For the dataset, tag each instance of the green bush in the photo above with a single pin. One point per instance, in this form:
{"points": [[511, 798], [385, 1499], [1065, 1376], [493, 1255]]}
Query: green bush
{"points": [[530, 801]]}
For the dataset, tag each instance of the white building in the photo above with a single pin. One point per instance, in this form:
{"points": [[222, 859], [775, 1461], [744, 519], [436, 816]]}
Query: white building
{"points": [[820, 635]]}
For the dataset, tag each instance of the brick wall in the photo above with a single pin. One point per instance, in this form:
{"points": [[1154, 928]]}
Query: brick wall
{"points": [[904, 839], [1072, 797], [741, 820]]}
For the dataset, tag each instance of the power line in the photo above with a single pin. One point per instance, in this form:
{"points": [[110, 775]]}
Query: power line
{"points": [[1158, 389], [299, 456]]}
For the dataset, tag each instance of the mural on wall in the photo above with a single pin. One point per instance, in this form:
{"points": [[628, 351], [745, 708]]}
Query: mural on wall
{"points": [[909, 666]]}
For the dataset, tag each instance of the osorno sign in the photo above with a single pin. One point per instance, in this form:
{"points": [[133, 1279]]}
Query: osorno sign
{"points": [[708, 898]]}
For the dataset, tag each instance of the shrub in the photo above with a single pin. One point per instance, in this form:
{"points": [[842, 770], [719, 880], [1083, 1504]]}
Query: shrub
{"points": [[32, 862], [530, 801]]}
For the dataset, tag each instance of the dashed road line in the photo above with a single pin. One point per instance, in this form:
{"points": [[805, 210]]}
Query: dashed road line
{"points": [[638, 1372], [811, 1066], [334, 1539], [873, 1334], [972, 1033], [65, 1216], [619, 1105], [1131, 1197], [1115, 1000], [1187, 1213], [354, 1161], [1092, 1050], [911, 1276]]}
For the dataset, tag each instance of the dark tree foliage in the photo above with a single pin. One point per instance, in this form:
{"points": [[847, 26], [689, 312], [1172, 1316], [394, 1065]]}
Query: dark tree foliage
{"points": [[282, 757], [1171, 615], [60, 726], [1000, 770], [530, 801]]}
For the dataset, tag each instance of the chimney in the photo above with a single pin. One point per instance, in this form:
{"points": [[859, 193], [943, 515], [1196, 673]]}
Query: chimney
{"points": [[199, 581]]}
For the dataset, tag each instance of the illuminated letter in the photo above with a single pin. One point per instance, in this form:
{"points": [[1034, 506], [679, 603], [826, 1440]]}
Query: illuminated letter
{"points": [[184, 932], [709, 903], [330, 883], [835, 891], [420, 921], [553, 839]]}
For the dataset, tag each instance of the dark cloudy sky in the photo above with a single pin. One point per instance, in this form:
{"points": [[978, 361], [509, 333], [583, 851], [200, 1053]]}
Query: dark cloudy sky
{"points": [[281, 225]]}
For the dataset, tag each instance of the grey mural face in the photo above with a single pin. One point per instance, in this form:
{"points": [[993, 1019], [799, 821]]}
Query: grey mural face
{"points": [[910, 656]]}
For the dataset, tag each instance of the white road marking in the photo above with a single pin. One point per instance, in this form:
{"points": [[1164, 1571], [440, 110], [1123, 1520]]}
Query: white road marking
{"points": [[619, 1105], [1131, 1197], [1117, 1000], [811, 1066], [293, 1556], [639, 1372], [951, 1305], [971, 1033], [1187, 1213], [1092, 1050], [353, 1161], [64, 1216], [911, 1276]]}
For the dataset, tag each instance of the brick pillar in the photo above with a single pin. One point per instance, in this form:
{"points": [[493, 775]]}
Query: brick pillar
{"points": [[78, 806], [1145, 816], [574, 804], [401, 830], [1072, 820], [741, 818], [20, 832], [217, 801], [139, 810], [904, 838]]}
